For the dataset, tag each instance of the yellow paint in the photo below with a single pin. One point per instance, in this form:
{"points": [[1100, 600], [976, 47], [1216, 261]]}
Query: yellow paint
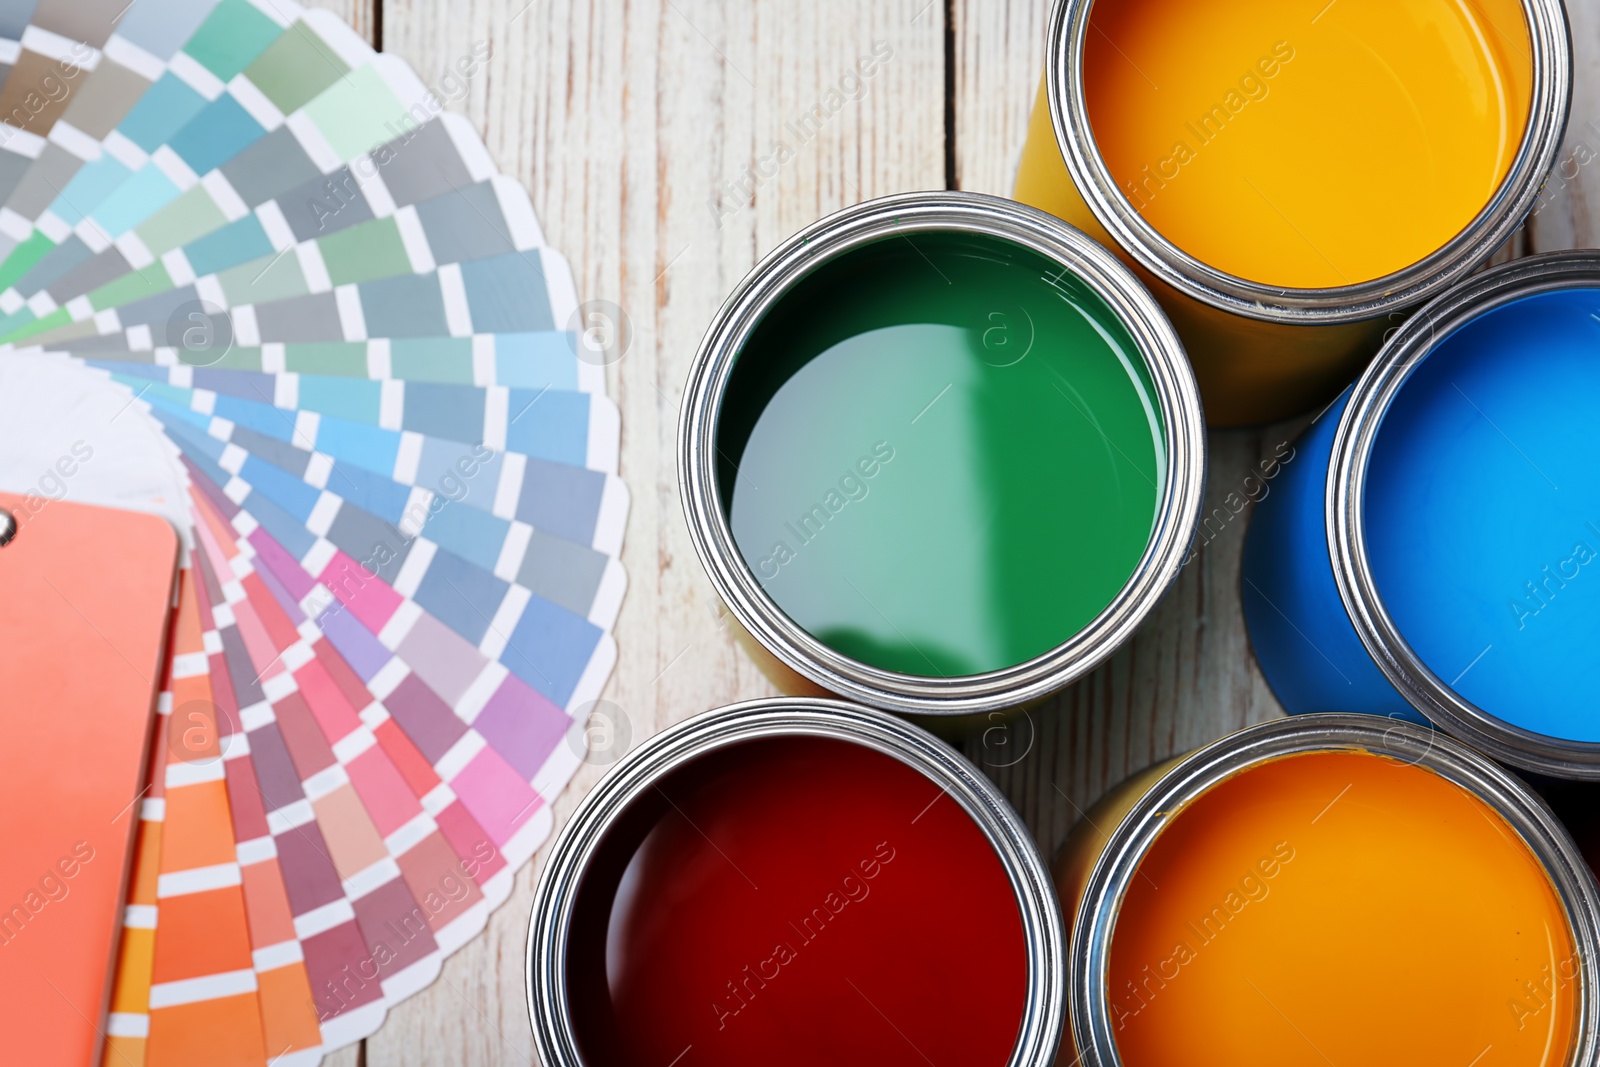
{"points": [[1341, 908], [1304, 143]]}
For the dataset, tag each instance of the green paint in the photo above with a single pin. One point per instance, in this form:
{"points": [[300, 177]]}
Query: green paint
{"points": [[947, 465], [232, 36], [365, 252]]}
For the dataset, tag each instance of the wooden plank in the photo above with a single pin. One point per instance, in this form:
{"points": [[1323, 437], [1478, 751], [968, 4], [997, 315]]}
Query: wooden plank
{"points": [[349, 1056], [649, 136], [999, 59]]}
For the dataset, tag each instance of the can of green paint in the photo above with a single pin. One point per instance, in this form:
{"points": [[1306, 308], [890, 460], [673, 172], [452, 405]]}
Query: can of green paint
{"points": [[940, 454]]}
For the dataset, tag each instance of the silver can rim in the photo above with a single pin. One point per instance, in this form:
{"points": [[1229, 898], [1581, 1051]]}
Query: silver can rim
{"points": [[1550, 103], [1043, 930], [1183, 423], [1541, 831], [1353, 443]]}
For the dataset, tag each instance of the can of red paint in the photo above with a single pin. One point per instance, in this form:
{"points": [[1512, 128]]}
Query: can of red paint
{"points": [[792, 882]]}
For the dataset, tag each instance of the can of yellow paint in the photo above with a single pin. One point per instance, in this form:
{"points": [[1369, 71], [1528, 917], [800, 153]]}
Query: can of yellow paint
{"points": [[1289, 178]]}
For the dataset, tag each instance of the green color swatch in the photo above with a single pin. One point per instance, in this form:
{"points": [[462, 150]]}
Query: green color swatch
{"points": [[295, 69], [941, 454], [231, 38]]}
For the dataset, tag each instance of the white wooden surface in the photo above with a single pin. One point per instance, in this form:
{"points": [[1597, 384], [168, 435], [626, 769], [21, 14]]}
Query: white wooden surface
{"points": [[632, 122]]}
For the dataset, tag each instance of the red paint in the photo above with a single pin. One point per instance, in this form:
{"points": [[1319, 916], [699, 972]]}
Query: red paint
{"points": [[796, 901]]}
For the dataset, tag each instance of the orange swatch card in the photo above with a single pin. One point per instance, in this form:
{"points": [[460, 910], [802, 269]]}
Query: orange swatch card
{"points": [[86, 599]]}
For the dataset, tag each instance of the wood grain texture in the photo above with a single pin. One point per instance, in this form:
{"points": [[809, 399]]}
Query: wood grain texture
{"points": [[648, 134], [999, 59], [360, 14]]}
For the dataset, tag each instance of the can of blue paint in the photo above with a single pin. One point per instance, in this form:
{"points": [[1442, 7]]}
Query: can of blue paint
{"points": [[1433, 551]]}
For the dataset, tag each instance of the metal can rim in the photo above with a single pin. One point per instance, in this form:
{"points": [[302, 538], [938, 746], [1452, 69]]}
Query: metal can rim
{"points": [[1550, 104], [1183, 422], [1353, 443], [1044, 933], [1541, 831]]}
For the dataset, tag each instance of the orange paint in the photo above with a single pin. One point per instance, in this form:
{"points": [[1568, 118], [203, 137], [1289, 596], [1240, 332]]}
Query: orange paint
{"points": [[1341, 908], [1305, 143]]}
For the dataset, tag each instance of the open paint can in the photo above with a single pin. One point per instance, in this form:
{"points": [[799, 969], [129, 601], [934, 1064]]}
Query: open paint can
{"points": [[940, 454], [1290, 176], [1434, 546], [1329, 889], [794, 882]]}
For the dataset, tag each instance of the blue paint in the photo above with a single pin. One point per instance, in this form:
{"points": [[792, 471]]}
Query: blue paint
{"points": [[1482, 515], [1483, 512]]}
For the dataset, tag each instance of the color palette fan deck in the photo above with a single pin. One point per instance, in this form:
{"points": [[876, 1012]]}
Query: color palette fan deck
{"points": [[258, 280]]}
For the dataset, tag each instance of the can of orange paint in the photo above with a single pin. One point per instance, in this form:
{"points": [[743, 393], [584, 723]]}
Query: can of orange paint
{"points": [[1290, 177], [1328, 889]]}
